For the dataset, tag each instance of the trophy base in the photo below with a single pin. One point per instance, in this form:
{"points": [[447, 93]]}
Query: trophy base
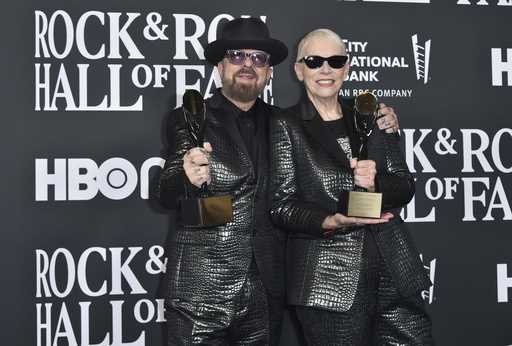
{"points": [[207, 212], [361, 204]]}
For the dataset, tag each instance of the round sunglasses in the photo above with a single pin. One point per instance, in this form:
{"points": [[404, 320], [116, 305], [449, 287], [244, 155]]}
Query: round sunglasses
{"points": [[237, 57], [316, 61]]}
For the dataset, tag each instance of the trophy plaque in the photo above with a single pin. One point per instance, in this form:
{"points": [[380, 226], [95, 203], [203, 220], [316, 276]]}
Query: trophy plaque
{"points": [[204, 210]]}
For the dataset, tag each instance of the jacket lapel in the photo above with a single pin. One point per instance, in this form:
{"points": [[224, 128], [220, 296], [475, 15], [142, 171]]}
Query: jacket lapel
{"points": [[262, 138], [347, 106]]}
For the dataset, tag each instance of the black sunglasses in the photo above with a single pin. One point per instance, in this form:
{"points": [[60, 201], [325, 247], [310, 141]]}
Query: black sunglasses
{"points": [[237, 57], [316, 61]]}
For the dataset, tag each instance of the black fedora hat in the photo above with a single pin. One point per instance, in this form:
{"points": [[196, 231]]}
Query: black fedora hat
{"points": [[246, 33]]}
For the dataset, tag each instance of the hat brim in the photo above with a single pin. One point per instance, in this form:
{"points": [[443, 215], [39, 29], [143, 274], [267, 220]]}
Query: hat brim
{"points": [[216, 50]]}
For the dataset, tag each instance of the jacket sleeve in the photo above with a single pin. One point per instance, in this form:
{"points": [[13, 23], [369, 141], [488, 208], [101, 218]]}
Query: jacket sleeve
{"points": [[395, 182], [287, 211], [173, 184]]}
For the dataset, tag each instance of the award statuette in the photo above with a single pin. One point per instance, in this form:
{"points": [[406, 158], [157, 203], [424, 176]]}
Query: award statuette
{"points": [[206, 210], [360, 202]]}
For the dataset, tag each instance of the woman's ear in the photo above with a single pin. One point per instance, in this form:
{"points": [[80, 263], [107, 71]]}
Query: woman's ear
{"points": [[346, 69], [299, 70]]}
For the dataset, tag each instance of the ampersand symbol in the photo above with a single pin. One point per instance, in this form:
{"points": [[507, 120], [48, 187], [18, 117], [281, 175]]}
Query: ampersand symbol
{"points": [[444, 146], [153, 31], [155, 265]]}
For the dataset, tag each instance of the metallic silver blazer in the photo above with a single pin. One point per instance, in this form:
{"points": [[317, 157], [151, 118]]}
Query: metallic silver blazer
{"points": [[211, 264], [309, 171]]}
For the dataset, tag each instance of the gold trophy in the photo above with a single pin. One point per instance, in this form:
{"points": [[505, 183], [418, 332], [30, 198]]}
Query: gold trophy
{"points": [[206, 210], [360, 202]]}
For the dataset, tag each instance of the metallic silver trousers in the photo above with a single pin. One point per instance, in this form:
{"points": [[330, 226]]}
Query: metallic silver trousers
{"points": [[379, 316], [251, 318]]}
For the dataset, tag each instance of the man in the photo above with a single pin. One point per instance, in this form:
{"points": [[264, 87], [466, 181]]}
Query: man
{"points": [[226, 283]]}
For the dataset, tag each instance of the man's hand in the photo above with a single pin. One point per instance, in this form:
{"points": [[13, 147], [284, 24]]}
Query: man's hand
{"points": [[364, 173], [387, 119], [196, 163]]}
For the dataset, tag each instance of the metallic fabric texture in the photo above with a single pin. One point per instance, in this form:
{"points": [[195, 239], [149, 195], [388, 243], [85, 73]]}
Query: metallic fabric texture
{"points": [[208, 267], [243, 320], [378, 316], [310, 173]]}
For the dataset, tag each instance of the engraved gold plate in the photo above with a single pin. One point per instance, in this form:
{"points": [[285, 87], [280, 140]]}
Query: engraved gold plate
{"points": [[364, 204], [216, 210]]}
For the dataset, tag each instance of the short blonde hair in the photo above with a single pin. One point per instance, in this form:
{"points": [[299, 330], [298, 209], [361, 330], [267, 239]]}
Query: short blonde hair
{"points": [[318, 33]]}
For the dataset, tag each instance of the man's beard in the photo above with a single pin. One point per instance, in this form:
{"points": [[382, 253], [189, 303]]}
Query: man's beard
{"points": [[242, 92]]}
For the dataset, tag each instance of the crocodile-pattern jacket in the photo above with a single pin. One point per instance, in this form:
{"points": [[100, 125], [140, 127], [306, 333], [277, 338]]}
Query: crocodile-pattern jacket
{"points": [[309, 172], [211, 264]]}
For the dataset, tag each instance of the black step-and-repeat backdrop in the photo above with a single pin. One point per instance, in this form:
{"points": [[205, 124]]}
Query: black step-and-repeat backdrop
{"points": [[87, 85]]}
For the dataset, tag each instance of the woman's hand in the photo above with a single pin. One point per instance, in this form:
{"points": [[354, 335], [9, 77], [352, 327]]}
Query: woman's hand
{"points": [[338, 220], [364, 173]]}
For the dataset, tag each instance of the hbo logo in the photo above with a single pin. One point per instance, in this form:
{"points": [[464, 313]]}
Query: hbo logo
{"points": [[82, 179]]}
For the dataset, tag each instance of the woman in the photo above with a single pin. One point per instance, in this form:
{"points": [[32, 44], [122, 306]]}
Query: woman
{"points": [[353, 281]]}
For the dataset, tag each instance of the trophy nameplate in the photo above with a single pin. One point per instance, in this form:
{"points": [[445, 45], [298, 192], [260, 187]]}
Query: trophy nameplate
{"points": [[364, 204], [206, 212]]}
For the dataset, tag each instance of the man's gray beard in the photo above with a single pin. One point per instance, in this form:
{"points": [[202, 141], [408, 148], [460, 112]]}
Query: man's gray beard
{"points": [[241, 92]]}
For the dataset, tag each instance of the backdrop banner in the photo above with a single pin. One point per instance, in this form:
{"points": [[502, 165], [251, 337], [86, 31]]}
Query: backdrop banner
{"points": [[87, 87]]}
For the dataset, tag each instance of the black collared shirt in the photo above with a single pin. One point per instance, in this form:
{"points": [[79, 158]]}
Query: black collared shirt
{"points": [[247, 124]]}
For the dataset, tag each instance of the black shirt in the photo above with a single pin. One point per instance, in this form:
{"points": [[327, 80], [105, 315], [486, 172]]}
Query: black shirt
{"points": [[246, 122], [338, 129], [247, 125]]}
